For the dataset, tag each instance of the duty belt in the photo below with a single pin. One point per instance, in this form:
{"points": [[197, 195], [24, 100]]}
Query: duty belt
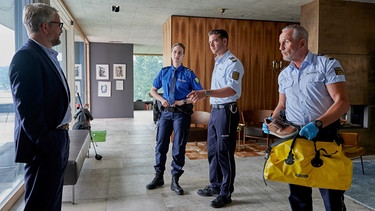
{"points": [[232, 107], [221, 106], [183, 109]]}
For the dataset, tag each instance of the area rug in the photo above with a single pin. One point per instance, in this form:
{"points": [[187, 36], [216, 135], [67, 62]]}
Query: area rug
{"points": [[197, 150], [362, 189]]}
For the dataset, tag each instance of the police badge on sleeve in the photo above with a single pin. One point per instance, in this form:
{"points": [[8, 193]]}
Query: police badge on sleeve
{"points": [[236, 75]]}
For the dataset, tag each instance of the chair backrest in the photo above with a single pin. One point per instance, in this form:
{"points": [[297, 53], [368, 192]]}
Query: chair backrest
{"points": [[255, 117], [200, 118], [350, 138]]}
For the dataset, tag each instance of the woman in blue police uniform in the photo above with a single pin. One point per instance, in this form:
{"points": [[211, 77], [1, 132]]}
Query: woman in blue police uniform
{"points": [[225, 90], [177, 82]]}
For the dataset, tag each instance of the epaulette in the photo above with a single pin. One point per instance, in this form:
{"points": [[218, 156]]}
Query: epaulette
{"points": [[166, 67], [189, 69], [234, 59]]}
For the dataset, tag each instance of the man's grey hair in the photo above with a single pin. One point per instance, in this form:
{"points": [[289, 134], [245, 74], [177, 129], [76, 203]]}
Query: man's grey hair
{"points": [[36, 14], [298, 32]]}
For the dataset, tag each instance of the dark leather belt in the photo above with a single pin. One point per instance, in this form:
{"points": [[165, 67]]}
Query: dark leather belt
{"points": [[63, 127], [183, 108], [171, 109], [221, 106]]}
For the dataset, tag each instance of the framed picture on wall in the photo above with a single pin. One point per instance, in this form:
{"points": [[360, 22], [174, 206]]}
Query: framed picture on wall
{"points": [[119, 85], [78, 71], [119, 71], [77, 87], [102, 72], [104, 89]]}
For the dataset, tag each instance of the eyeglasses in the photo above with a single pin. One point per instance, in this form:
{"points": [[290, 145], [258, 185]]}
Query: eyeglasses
{"points": [[61, 25]]}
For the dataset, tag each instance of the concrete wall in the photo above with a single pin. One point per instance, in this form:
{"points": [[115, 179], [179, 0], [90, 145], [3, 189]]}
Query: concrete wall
{"points": [[120, 103]]}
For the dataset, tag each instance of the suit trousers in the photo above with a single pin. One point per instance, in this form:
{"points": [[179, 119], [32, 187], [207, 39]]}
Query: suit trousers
{"points": [[44, 175]]}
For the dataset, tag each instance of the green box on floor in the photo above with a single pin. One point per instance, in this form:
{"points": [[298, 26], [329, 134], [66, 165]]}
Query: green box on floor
{"points": [[99, 135]]}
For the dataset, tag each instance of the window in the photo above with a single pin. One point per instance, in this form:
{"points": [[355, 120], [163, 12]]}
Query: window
{"points": [[11, 173], [146, 69]]}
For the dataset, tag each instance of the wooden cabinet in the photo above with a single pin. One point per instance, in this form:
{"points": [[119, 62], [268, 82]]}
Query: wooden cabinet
{"points": [[255, 43]]}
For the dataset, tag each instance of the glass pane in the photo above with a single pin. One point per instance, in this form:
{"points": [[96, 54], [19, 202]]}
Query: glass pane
{"points": [[11, 173], [146, 69]]}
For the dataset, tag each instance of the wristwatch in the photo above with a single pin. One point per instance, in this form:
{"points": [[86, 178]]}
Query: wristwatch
{"points": [[318, 124], [185, 101], [208, 93]]}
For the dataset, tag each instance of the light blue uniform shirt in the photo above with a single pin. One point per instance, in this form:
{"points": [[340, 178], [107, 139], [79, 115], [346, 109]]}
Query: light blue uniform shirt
{"points": [[307, 97], [228, 72]]}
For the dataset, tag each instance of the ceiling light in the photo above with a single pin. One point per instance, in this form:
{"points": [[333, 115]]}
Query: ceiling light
{"points": [[115, 8]]}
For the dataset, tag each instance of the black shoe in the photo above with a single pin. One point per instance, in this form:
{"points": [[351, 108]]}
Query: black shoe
{"points": [[208, 191], [176, 187], [156, 182], [221, 201]]}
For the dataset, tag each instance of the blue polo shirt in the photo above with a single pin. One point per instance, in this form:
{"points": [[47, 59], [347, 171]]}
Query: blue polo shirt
{"points": [[307, 97], [186, 81]]}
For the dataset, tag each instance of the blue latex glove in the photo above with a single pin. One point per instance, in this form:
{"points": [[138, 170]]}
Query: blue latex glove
{"points": [[265, 127], [309, 131]]}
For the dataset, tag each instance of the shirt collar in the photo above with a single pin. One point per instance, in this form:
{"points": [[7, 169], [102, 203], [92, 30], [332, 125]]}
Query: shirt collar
{"points": [[49, 51], [178, 68], [223, 58], [308, 60]]}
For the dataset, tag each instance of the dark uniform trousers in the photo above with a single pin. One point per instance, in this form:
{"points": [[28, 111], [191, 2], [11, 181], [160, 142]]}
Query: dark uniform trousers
{"points": [[177, 120], [45, 174], [221, 146], [300, 197]]}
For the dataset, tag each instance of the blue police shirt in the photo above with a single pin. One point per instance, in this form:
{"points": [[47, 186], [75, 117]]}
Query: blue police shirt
{"points": [[186, 81], [228, 72], [307, 97]]}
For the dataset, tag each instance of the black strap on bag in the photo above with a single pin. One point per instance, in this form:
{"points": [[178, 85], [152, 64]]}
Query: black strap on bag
{"points": [[315, 162]]}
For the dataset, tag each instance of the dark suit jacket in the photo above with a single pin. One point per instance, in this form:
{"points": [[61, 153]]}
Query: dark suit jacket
{"points": [[40, 101]]}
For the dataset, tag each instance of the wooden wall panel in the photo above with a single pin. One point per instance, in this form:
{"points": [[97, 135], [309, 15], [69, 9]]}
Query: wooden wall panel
{"points": [[243, 54], [167, 33], [267, 80], [230, 25], [256, 57], [180, 30], [196, 59]]}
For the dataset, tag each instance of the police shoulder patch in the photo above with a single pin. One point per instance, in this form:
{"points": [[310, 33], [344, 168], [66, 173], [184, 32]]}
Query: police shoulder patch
{"points": [[234, 59], [196, 80], [339, 71], [235, 75]]}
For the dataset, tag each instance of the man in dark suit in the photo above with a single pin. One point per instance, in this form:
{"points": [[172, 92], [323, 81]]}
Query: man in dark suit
{"points": [[41, 101]]}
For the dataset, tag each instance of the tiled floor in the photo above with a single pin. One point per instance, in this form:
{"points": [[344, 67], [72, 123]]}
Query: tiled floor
{"points": [[117, 182]]}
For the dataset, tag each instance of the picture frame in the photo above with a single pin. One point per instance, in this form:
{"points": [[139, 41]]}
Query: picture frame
{"points": [[119, 85], [119, 71], [77, 87], [104, 89], [102, 72], [78, 71]]}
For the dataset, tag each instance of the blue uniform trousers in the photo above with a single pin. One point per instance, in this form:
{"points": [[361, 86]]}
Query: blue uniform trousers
{"points": [[179, 123], [221, 146], [300, 198], [44, 176]]}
